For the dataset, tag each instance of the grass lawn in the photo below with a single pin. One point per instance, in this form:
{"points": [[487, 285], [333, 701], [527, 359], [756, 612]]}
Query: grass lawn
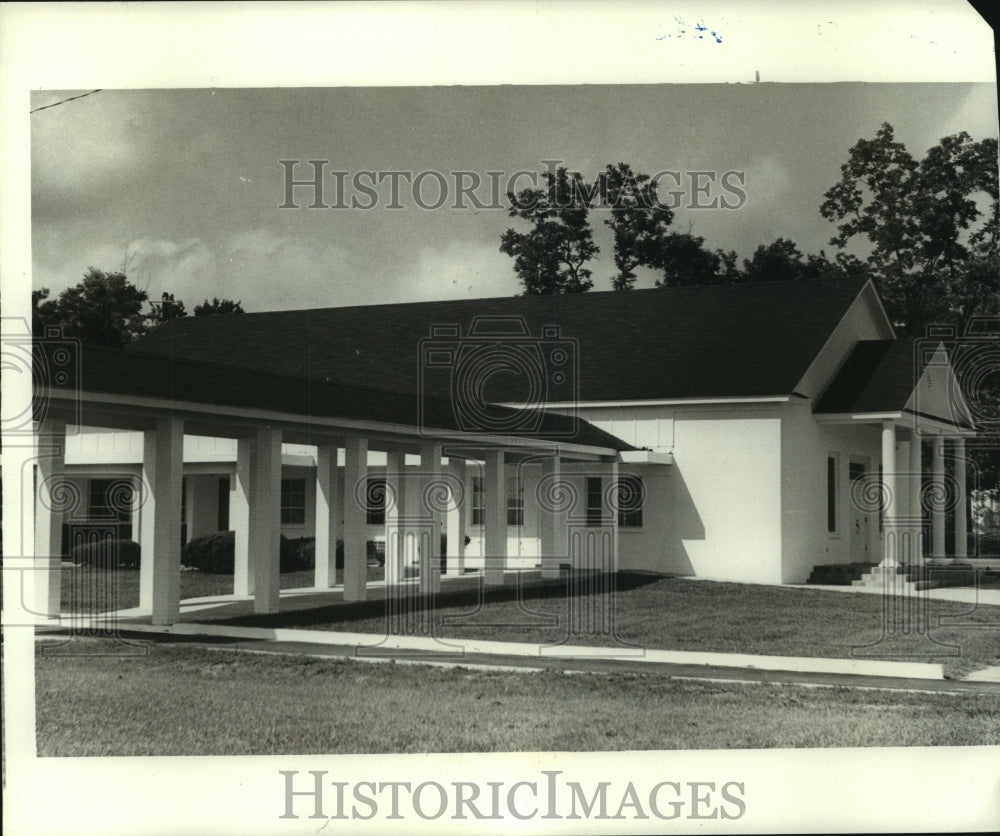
{"points": [[89, 590], [649, 611], [678, 614], [183, 700]]}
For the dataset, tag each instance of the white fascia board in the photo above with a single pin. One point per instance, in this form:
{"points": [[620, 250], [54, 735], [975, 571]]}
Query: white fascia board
{"points": [[905, 419], [857, 417], [657, 402], [645, 457]]}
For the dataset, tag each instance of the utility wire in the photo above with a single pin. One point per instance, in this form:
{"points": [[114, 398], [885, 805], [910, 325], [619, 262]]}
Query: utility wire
{"points": [[70, 99]]}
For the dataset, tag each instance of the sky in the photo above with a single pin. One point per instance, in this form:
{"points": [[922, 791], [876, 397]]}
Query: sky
{"points": [[184, 185]]}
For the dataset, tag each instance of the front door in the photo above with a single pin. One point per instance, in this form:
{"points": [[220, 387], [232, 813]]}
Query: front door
{"points": [[860, 538]]}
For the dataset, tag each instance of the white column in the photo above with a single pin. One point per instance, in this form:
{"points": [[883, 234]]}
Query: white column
{"points": [[457, 516], [47, 574], [961, 528], [265, 519], [890, 494], [327, 515], [937, 512], [430, 553], [916, 507], [495, 517], [355, 519], [160, 529], [611, 511], [239, 517], [552, 518], [395, 511]]}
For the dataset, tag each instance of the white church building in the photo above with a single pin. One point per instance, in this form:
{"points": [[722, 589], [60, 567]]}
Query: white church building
{"points": [[745, 433]]}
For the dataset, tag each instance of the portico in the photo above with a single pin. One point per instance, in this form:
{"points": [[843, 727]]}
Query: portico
{"points": [[908, 394], [907, 501]]}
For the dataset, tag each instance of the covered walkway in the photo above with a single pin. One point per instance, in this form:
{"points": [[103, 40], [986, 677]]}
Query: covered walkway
{"points": [[166, 399]]}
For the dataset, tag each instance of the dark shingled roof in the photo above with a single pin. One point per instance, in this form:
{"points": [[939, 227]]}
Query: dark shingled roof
{"points": [[878, 376], [689, 342], [115, 372]]}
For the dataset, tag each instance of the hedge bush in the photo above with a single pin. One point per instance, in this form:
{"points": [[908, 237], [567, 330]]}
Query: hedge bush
{"points": [[989, 542], [103, 553], [215, 553], [298, 554]]}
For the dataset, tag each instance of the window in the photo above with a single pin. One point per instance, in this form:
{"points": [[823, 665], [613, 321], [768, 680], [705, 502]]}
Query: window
{"points": [[376, 500], [478, 501], [831, 494], [110, 499], [595, 510], [293, 501], [515, 501], [631, 496], [223, 522]]}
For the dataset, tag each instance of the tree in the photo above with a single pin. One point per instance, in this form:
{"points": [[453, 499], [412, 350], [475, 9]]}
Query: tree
{"points": [[932, 227], [218, 306], [933, 247], [684, 261], [781, 260], [551, 256], [166, 309], [105, 308], [638, 220], [642, 235], [42, 311], [778, 261]]}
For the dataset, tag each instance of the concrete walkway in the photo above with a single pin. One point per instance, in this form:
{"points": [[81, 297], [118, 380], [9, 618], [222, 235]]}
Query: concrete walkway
{"points": [[718, 668], [961, 594], [373, 644]]}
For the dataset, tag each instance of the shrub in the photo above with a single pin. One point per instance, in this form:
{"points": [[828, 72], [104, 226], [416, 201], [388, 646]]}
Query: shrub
{"points": [[102, 554], [215, 553], [989, 542], [298, 554]]}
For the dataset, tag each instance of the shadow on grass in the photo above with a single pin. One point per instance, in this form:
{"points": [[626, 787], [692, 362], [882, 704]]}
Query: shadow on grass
{"points": [[462, 604]]}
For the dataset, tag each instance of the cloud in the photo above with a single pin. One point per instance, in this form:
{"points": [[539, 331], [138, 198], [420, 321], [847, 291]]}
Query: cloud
{"points": [[459, 269], [277, 272], [171, 266], [265, 270]]}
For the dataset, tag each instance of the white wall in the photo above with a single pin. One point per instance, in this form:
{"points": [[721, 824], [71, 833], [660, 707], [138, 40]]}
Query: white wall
{"points": [[202, 504], [726, 494], [100, 445], [715, 512], [805, 448]]}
